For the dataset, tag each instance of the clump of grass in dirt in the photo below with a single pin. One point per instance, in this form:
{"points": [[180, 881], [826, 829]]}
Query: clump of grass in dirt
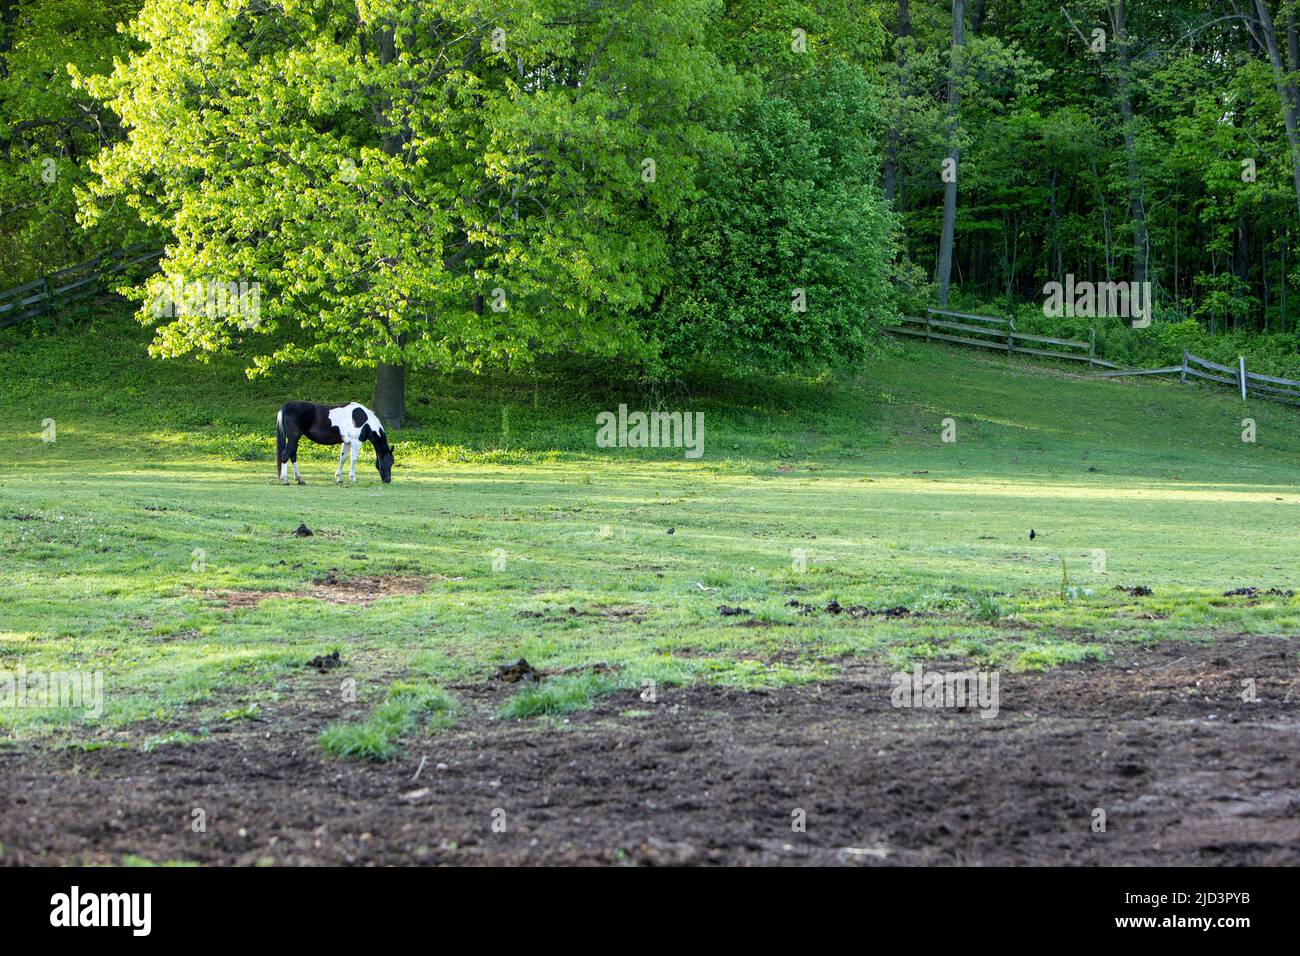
{"points": [[132, 859], [168, 740], [377, 737], [649, 674], [1040, 657], [557, 695], [247, 712]]}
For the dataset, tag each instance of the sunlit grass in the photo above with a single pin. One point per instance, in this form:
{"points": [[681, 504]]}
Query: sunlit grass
{"points": [[123, 540]]}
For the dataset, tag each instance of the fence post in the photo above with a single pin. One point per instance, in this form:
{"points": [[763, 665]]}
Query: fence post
{"points": [[1241, 360], [1183, 377], [1092, 345], [927, 328], [1011, 331], [49, 301]]}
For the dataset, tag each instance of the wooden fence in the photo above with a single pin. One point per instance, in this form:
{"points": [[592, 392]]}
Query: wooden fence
{"points": [[1239, 377], [999, 335], [59, 289]]}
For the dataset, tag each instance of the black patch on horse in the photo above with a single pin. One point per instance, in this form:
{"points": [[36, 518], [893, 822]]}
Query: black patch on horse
{"points": [[358, 417]]}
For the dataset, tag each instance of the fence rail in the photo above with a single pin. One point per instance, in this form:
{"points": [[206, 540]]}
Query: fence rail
{"points": [[1240, 378], [1005, 338], [62, 288]]}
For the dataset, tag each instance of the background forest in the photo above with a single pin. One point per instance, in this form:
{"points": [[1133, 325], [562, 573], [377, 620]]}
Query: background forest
{"points": [[762, 183]]}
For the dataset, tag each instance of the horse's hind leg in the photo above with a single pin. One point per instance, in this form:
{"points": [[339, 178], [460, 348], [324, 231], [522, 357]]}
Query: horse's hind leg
{"points": [[279, 448]]}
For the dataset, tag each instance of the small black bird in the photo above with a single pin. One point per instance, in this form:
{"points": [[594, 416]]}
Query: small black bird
{"points": [[671, 530], [1032, 536]]}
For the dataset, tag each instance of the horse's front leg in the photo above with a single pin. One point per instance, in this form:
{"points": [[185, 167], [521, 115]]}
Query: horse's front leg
{"points": [[293, 457], [343, 454], [356, 448]]}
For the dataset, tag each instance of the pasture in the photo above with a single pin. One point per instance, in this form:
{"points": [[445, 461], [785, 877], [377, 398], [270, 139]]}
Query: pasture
{"points": [[709, 643]]}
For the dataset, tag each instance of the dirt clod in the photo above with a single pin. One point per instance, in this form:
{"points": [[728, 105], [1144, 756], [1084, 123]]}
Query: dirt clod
{"points": [[325, 662], [303, 531], [1136, 590], [519, 671], [861, 610]]}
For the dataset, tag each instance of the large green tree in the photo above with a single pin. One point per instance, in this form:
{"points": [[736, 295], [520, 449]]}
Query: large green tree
{"points": [[437, 183]]}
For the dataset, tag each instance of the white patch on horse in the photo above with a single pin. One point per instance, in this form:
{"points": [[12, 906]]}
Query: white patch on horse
{"points": [[344, 419]]}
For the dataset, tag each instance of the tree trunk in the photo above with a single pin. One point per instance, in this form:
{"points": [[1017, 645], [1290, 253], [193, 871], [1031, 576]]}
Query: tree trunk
{"points": [[1137, 208], [894, 138], [1281, 319], [943, 268], [389, 400], [1285, 90], [1241, 267]]}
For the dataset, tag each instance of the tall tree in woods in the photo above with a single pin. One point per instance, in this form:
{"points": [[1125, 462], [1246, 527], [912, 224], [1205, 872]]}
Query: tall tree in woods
{"points": [[1261, 23], [1124, 95], [893, 136], [442, 184], [943, 264]]}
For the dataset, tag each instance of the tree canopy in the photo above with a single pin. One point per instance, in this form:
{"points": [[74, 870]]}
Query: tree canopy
{"points": [[458, 185]]}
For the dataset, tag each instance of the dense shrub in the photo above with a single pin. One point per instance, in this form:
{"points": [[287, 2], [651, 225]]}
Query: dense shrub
{"points": [[796, 207]]}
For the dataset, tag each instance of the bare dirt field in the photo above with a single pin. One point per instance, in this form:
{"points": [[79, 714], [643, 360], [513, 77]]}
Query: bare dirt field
{"points": [[1157, 737]]}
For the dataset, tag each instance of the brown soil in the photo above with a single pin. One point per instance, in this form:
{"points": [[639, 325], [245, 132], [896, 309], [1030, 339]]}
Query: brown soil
{"points": [[1158, 737], [332, 589]]}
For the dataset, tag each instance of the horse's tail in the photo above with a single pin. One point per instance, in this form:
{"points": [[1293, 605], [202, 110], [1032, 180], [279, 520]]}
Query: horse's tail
{"points": [[279, 442]]}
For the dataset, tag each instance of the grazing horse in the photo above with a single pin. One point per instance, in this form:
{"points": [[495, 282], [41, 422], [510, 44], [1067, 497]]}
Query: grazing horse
{"points": [[349, 424]]}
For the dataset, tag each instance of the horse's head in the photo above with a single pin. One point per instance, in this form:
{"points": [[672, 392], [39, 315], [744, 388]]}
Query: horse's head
{"points": [[383, 456]]}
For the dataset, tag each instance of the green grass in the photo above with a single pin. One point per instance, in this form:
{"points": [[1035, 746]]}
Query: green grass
{"points": [[555, 696], [403, 709], [131, 859], [121, 541]]}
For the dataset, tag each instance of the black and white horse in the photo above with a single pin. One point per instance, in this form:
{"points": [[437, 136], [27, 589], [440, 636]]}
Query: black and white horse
{"points": [[349, 425]]}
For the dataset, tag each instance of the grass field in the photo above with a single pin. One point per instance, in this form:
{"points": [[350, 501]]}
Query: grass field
{"points": [[150, 541], [129, 537]]}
